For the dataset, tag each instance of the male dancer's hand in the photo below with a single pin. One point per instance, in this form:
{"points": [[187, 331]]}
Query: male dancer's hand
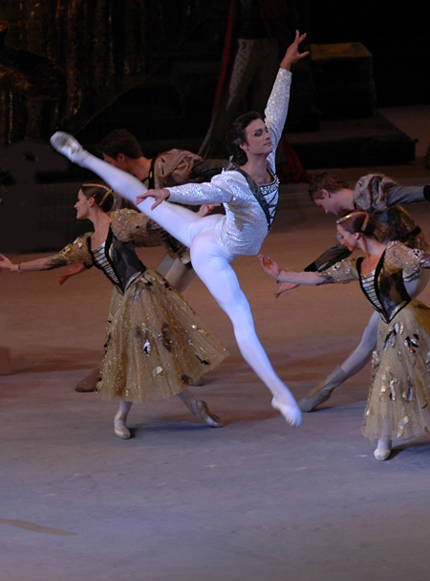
{"points": [[206, 209], [158, 195], [293, 55]]}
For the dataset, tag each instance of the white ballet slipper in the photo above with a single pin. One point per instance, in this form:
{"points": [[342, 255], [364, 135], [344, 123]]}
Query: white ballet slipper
{"points": [[202, 412], [291, 413], [119, 427], [69, 147], [383, 450]]}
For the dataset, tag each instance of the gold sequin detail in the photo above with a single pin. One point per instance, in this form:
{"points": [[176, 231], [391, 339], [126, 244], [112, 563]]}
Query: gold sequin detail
{"points": [[401, 426]]}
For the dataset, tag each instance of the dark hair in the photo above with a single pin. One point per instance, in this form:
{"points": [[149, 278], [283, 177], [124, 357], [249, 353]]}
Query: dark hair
{"points": [[325, 180], [236, 136], [121, 141], [358, 221], [103, 195]]}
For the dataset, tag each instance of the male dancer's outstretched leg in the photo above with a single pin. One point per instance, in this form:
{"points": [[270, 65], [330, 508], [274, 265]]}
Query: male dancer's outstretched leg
{"points": [[210, 262]]}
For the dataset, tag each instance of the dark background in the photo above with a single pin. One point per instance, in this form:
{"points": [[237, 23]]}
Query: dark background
{"points": [[90, 66], [66, 62], [397, 35]]}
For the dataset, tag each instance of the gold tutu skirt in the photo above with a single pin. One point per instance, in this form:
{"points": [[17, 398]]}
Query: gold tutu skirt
{"points": [[156, 345], [399, 395]]}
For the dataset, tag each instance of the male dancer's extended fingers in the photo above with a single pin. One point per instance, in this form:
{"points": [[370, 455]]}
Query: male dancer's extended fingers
{"points": [[140, 198]]}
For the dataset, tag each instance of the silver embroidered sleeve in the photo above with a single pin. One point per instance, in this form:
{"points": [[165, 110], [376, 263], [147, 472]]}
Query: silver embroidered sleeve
{"points": [[277, 109], [217, 191]]}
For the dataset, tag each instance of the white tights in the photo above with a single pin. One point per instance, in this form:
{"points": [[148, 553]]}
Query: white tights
{"points": [[211, 262]]}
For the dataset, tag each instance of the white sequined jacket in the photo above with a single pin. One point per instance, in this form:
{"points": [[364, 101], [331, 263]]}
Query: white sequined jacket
{"points": [[244, 227]]}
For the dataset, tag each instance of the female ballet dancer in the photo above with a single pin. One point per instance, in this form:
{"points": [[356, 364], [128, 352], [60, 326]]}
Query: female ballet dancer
{"points": [[399, 394], [248, 189], [156, 345]]}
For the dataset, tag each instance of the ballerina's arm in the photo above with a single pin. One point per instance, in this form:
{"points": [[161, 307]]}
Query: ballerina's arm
{"points": [[29, 266], [284, 275]]}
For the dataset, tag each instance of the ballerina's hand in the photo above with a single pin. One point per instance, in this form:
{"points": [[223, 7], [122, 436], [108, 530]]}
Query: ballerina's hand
{"points": [[285, 286], [269, 265], [158, 195], [5, 263], [72, 271]]}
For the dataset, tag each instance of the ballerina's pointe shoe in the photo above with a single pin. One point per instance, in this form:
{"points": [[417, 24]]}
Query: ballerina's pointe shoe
{"points": [[119, 427], [321, 392], [68, 146], [291, 413], [383, 450], [200, 409]]}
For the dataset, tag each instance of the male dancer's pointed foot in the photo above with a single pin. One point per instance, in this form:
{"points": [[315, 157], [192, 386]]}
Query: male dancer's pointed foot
{"points": [[69, 147], [321, 392], [291, 412], [201, 410], [119, 427]]}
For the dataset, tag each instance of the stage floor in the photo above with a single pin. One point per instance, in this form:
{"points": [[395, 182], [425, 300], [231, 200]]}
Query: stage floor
{"points": [[255, 500]]}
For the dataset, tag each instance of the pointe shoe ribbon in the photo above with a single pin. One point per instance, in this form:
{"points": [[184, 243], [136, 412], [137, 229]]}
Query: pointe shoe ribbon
{"points": [[292, 414], [70, 147]]}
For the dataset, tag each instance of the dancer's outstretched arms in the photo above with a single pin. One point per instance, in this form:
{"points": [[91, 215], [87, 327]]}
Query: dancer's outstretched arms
{"points": [[30, 266], [285, 275], [293, 55], [276, 110]]}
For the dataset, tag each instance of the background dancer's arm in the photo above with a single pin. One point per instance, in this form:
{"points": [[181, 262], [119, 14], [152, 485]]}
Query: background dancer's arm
{"points": [[408, 195], [75, 253], [329, 258], [342, 272], [289, 276], [46, 263], [29, 266], [72, 271]]}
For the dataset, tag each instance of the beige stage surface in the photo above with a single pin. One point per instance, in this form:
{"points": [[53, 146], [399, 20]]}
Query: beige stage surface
{"points": [[255, 500]]}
